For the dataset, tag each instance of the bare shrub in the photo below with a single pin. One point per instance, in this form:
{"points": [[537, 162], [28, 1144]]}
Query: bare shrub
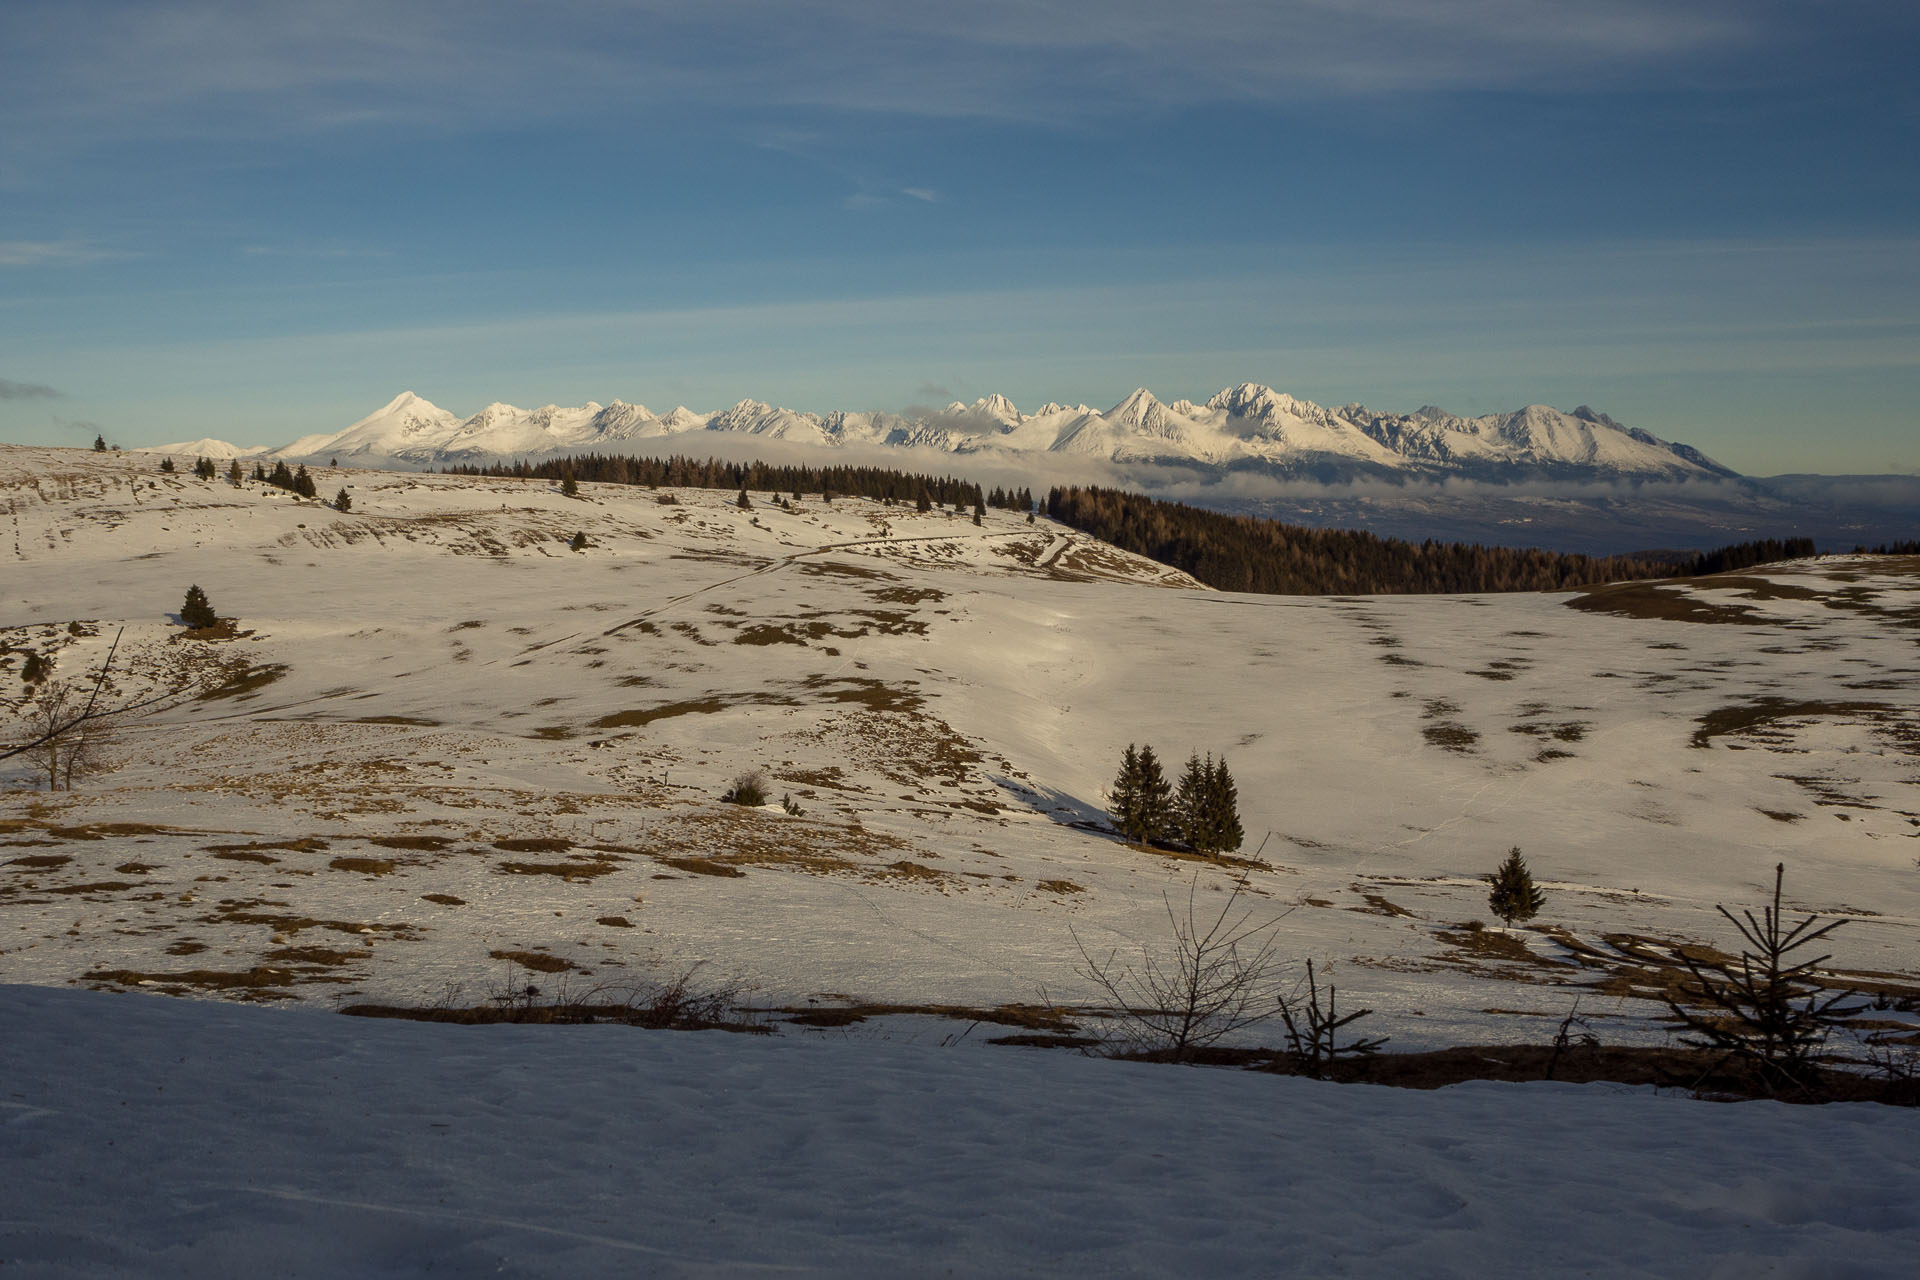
{"points": [[1217, 975], [67, 743], [748, 789]]}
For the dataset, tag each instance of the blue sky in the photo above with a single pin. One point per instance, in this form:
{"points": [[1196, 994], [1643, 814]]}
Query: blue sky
{"points": [[258, 220]]}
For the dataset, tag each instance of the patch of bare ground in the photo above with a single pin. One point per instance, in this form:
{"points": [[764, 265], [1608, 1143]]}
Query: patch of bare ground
{"points": [[570, 870], [1645, 600], [533, 844], [427, 844], [245, 852], [111, 831], [1032, 1017], [364, 866], [261, 982], [245, 680], [41, 861], [841, 569], [1061, 887], [1379, 906], [1705, 1073], [1767, 721], [444, 899], [537, 961], [289, 925]]}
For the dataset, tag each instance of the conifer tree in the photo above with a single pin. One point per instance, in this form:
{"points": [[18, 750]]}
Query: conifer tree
{"points": [[203, 468], [197, 612], [579, 542], [1156, 798], [1223, 804], [743, 501], [923, 502], [1125, 796], [99, 444], [34, 669], [569, 486], [166, 465], [259, 473], [303, 483], [1513, 894], [1190, 809], [342, 502], [281, 477], [233, 473]]}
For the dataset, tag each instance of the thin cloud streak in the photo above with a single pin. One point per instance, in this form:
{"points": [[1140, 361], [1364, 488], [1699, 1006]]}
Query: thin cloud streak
{"points": [[223, 68], [11, 390]]}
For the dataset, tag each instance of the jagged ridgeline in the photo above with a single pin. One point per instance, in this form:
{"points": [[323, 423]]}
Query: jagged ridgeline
{"points": [[1249, 553], [878, 483]]}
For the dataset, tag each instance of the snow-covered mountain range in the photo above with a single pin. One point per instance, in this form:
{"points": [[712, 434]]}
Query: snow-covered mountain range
{"points": [[1245, 427]]}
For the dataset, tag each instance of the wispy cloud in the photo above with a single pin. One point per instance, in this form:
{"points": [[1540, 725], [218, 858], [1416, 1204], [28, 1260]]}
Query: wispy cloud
{"points": [[11, 390], [54, 253], [127, 68]]}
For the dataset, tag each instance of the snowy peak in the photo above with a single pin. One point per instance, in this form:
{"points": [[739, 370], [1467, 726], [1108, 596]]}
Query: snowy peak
{"points": [[1246, 425]]}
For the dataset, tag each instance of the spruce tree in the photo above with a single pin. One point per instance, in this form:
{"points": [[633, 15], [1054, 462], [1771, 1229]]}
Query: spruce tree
{"points": [[1513, 894], [743, 501], [166, 465], [1156, 798], [569, 487], [34, 669], [233, 473], [302, 483], [579, 542], [1190, 803], [1125, 797], [342, 502], [923, 502], [281, 477], [1223, 805], [99, 444], [197, 612]]}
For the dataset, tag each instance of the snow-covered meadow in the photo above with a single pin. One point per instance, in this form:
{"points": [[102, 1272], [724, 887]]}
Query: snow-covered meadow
{"points": [[445, 756]]}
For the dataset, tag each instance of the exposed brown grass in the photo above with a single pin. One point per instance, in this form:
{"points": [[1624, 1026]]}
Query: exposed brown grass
{"points": [[538, 961]]}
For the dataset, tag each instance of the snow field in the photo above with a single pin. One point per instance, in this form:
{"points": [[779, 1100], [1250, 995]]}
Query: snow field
{"points": [[152, 1138]]}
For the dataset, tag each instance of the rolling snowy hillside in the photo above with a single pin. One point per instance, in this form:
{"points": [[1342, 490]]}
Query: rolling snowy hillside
{"points": [[443, 743], [1248, 425], [441, 758]]}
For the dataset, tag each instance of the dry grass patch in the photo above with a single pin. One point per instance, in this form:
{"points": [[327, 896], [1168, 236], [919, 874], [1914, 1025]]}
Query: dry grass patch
{"points": [[41, 861], [570, 870], [1763, 720], [444, 899], [429, 844], [365, 866], [533, 844], [538, 961], [1062, 887]]}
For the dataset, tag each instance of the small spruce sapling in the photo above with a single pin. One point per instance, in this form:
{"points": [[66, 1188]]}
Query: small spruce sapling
{"points": [[197, 612], [1512, 894], [166, 465], [99, 444], [342, 501], [578, 542]]}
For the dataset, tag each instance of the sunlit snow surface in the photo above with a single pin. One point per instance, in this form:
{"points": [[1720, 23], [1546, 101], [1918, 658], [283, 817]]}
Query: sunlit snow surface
{"points": [[446, 743], [142, 1137]]}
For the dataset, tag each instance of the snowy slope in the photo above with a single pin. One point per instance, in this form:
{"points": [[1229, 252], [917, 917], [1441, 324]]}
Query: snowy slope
{"points": [[160, 1139], [444, 743], [1245, 425]]}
